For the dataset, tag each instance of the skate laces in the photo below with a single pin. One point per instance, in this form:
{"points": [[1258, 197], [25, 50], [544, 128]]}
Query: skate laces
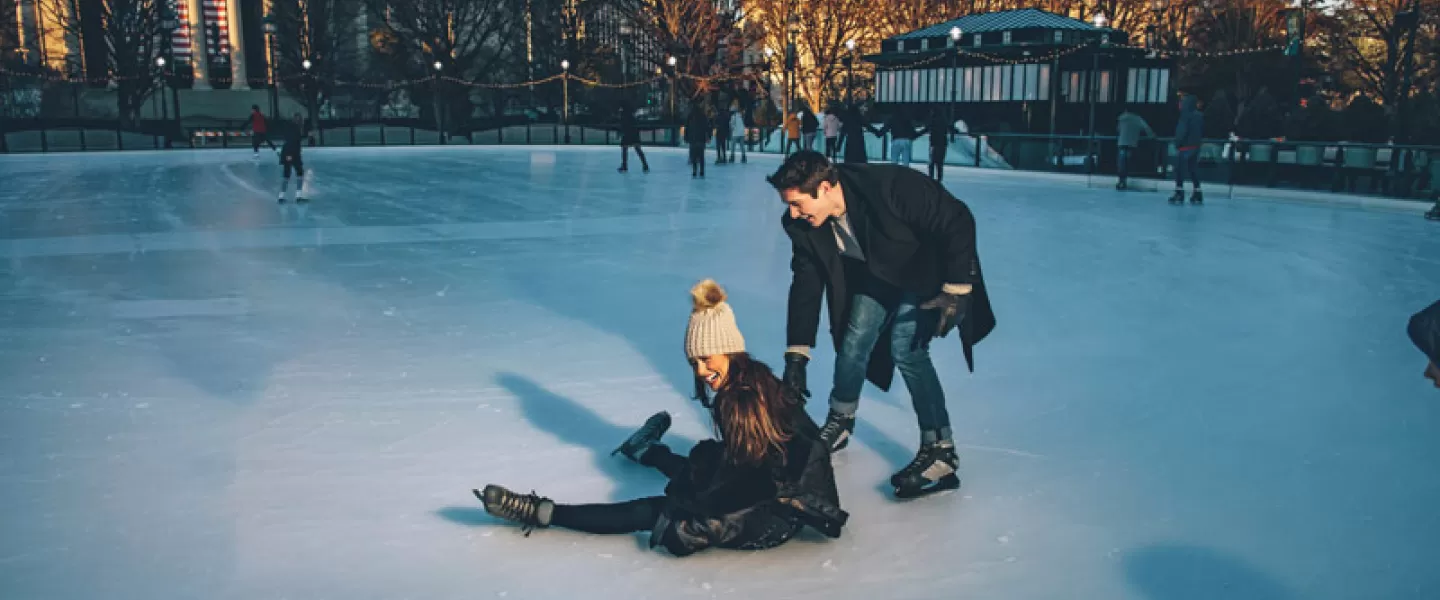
{"points": [[928, 455], [834, 426], [922, 459], [521, 508]]}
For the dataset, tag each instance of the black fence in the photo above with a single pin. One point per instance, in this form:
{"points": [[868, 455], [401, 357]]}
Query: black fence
{"points": [[1376, 169]]}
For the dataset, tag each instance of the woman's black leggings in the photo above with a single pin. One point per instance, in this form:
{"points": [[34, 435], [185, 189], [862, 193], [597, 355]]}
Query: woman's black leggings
{"points": [[623, 517]]}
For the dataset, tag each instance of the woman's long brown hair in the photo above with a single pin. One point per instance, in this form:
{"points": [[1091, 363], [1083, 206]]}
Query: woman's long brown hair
{"points": [[752, 415]]}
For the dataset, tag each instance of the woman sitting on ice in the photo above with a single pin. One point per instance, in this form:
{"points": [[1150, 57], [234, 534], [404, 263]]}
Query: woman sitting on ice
{"points": [[766, 477]]}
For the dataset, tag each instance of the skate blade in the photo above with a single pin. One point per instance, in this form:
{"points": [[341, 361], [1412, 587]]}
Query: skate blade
{"points": [[946, 483]]}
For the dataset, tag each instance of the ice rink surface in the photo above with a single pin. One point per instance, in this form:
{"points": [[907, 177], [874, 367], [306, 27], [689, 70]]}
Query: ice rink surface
{"points": [[204, 396]]}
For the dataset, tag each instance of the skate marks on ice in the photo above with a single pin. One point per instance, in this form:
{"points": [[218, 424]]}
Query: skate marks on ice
{"points": [[575, 423], [1182, 572]]}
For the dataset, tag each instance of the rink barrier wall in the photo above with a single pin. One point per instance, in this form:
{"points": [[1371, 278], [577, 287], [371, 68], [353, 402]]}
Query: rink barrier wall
{"points": [[1397, 171]]}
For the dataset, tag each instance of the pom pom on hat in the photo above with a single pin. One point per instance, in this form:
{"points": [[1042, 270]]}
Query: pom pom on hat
{"points": [[707, 295]]}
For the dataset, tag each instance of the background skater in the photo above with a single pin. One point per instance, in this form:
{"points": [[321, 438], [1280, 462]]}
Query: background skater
{"points": [[630, 138], [258, 131], [290, 159]]}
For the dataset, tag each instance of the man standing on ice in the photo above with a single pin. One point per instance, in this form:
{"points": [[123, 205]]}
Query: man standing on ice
{"points": [[894, 254]]}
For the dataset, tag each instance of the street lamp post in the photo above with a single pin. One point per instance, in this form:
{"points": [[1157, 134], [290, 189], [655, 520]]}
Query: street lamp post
{"points": [[169, 23], [1156, 39], [270, 30], [1094, 84], [565, 110], [160, 75], [310, 98], [1406, 19], [955, 33], [625, 31], [1295, 27], [791, 77], [671, 61], [849, 61], [439, 106]]}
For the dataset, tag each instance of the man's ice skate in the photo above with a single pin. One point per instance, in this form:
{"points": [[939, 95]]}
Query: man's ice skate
{"points": [[1178, 197], [837, 430], [933, 470], [281, 198], [646, 437], [1197, 197], [1434, 214], [529, 510]]}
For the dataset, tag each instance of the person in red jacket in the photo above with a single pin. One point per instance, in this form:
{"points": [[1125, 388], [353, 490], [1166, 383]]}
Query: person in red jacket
{"points": [[257, 131]]}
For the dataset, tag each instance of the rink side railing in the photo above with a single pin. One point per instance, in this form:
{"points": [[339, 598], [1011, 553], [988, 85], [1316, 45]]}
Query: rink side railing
{"points": [[1376, 169]]}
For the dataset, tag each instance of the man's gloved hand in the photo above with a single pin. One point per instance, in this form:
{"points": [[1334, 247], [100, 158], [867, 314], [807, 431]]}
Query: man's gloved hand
{"points": [[952, 308], [795, 372]]}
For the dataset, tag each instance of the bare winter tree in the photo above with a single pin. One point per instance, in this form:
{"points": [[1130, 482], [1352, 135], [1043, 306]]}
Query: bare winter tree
{"points": [[320, 32], [1368, 46], [129, 31], [472, 40], [9, 33], [822, 28], [904, 17], [690, 30]]}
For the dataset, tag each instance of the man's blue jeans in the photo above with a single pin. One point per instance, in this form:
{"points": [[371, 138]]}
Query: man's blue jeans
{"points": [[868, 317], [900, 151]]}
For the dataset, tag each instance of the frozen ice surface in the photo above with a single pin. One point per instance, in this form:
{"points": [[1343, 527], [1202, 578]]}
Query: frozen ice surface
{"points": [[202, 398]]}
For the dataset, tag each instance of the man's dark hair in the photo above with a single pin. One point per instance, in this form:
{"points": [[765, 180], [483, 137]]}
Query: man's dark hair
{"points": [[804, 171], [254, 107]]}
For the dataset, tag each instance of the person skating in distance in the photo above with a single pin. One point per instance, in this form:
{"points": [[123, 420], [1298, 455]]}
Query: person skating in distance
{"points": [[257, 132], [894, 254], [767, 476], [630, 138], [290, 159]]}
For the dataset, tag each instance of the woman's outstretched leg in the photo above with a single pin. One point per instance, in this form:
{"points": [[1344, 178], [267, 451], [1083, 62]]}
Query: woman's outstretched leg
{"points": [[621, 517], [532, 511]]}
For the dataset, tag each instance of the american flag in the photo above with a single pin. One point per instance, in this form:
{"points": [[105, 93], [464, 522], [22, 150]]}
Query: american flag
{"points": [[214, 12]]}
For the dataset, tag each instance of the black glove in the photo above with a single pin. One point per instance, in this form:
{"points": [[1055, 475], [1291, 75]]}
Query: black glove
{"points": [[795, 372], [952, 308]]}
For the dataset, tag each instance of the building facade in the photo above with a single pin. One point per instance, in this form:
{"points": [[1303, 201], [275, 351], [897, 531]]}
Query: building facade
{"points": [[1024, 71]]}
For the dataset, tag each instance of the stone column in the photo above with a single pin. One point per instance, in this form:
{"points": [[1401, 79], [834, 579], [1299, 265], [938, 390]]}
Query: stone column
{"points": [[198, 56], [238, 75]]}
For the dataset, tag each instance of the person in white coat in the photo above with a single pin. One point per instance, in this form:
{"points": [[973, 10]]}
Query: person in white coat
{"points": [[832, 134], [737, 132]]}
